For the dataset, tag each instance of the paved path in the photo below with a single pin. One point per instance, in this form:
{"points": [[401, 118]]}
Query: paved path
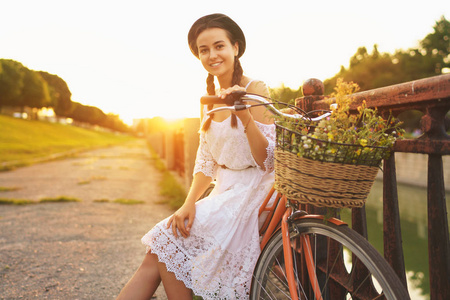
{"points": [[78, 250]]}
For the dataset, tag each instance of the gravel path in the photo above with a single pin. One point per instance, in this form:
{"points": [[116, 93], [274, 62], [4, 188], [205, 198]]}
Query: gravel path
{"points": [[78, 250]]}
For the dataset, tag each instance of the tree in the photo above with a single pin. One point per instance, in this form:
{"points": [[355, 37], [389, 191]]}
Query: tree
{"points": [[437, 45], [35, 92], [285, 94], [11, 81], [59, 93], [113, 122], [87, 114], [373, 70], [368, 70]]}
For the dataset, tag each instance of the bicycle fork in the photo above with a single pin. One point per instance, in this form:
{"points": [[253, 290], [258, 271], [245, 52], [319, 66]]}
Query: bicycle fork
{"points": [[308, 258], [282, 214]]}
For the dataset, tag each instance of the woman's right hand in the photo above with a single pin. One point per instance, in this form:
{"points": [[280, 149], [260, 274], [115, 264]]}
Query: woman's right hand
{"points": [[177, 220], [223, 93]]}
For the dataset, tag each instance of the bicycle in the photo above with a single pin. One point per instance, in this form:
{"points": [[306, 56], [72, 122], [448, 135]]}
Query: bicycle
{"points": [[308, 256]]}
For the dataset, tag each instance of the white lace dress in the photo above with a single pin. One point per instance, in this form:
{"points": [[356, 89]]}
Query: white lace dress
{"points": [[217, 260]]}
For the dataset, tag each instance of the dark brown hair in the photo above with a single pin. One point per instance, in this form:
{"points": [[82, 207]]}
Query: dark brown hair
{"points": [[235, 35]]}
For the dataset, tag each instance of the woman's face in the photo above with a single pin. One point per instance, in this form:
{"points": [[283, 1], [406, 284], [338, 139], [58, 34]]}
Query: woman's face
{"points": [[216, 52]]}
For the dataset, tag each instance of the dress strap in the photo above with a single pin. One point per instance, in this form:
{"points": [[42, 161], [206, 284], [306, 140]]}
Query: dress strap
{"points": [[205, 116], [248, 84]]}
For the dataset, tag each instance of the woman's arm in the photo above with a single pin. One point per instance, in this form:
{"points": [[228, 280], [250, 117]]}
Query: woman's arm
{"points": [[257, 141], [187, 211], [204, 170], [260, 113]]}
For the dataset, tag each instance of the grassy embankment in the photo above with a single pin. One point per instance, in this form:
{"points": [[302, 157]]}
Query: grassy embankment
{"points": [[23, 142]]}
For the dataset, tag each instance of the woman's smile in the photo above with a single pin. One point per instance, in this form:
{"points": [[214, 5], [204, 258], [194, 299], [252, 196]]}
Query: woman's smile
{"points": [[215, 64]]}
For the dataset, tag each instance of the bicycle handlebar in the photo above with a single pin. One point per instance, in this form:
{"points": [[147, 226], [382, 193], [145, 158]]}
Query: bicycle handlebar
{"points": [[235, 102], [229, 100]]}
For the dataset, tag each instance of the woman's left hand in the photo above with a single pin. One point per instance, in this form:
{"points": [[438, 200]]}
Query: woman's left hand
{"points": [[178, 220], [244, 115]]}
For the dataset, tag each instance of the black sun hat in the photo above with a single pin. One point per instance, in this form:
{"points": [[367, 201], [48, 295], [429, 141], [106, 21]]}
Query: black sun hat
{"points": [[216, 21]]}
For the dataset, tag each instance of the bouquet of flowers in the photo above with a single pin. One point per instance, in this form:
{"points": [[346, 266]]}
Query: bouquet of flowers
{"points": [[333, 162], [362, 138]]}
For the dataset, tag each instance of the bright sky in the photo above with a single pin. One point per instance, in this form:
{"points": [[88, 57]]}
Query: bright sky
{"points": [[131, 57]]}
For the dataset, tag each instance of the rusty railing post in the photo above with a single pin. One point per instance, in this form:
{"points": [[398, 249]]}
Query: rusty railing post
{"points": [[392, 234], [433, 124], [438, 235]]}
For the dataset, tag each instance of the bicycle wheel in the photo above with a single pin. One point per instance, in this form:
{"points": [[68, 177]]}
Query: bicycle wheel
{"points": [[347, 266]]}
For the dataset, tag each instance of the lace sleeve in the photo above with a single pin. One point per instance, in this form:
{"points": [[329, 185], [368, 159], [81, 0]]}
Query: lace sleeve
{"points": [[204, 161], [269, 132]]}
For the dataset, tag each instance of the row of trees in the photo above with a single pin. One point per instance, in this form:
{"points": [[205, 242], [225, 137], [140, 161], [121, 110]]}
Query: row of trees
{"points": [[375, 69], [21, 87]]}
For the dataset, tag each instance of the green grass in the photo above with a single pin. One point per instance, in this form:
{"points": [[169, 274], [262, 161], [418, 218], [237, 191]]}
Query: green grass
{"points": [[128, 201], [171, 189], [10, 201], [174, 194], [23, 141], [120, 201], [6, 201], [59, 199], [8, 189]]}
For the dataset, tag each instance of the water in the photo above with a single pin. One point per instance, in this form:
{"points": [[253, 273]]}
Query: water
{"points": [[413, 214]]}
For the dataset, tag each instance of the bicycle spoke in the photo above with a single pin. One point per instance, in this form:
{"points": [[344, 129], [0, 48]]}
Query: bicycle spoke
{"points": [[279, 280], [282, 270], [300, 290], [262, 287], [360, 285], [275, 280], [330, 270], [346, 266]]}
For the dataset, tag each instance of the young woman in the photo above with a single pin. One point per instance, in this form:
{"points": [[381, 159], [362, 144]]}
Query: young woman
{"points": [[210, 247]]}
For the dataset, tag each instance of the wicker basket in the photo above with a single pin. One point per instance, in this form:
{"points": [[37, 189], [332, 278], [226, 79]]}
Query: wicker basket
{"points": [[335, 180]]}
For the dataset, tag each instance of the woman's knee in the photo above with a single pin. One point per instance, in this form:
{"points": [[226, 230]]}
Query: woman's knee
{"points": [[150, 265]]}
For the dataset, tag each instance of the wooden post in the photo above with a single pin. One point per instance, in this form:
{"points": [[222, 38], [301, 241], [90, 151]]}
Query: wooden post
{"points": [[191, 142], [392, 234], [169, 142], [438, 235]]}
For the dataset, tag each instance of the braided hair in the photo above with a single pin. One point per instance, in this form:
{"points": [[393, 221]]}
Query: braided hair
{"points": [[211, 89]]}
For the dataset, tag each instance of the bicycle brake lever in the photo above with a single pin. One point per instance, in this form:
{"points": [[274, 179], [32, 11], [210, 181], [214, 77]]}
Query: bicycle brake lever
{"points": [[238, 107]]}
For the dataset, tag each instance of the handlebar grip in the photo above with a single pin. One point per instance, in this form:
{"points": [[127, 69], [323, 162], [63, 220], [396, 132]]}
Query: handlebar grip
{"points": [[230, 100], [212, 100]]}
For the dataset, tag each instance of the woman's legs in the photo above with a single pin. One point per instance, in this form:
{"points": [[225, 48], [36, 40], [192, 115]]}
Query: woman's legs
{"points": [[175, 289], [147, 278], [144, 282]]}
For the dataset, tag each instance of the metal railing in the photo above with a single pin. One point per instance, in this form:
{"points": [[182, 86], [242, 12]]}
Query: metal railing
{"points": [[431, 96]]}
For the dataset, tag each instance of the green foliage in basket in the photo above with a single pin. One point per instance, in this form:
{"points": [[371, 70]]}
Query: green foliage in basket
{"points": [[363, 137]]}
